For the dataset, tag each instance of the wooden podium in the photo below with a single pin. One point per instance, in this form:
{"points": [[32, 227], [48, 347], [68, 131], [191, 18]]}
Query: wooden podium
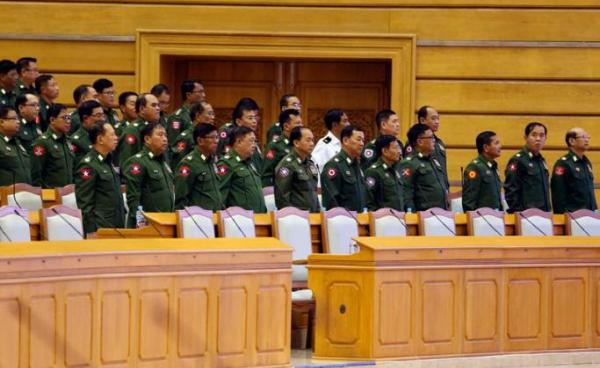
{"points": [[146, 303], [433, 296]]}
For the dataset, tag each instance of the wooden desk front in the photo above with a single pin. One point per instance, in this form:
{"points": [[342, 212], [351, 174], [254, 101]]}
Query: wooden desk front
{"points": [[419, 297], [145, 303]]}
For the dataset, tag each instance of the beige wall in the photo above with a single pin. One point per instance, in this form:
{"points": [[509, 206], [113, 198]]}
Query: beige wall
{"points": [[484, 64]]}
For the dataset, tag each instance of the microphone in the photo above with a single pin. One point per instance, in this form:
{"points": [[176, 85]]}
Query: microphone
{"points": [[67, 222], [487, 222], [195, 223], [399, 219], [442, 222], [578, 224], [352, 246], [532, 224], [15, 189]]}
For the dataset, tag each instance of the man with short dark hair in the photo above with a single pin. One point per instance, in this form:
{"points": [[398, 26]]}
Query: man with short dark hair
{"points": [[572, 179], [15, 166], [106, 97], [162, 93], [8, 82], [276, 150], [81, 93], [424, 183], [196, 181], [97, 184], [240, 179], [429, 116], [526, 182], [384, 185], [27, 70], [200, 112], [296, 174], [191, 92], [52, 159], [128, 113], [90, 112], [330, 145], [289, 101], [148, 177], [388, 123], [28, 109], [481, 181], [47, 89], [131, 141], [342, 179]]}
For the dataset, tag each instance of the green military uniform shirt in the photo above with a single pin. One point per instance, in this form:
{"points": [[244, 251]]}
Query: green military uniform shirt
{"points": [[572, 184], [384, 187], [130, 142], [52, 160], [15, 165], [149, 181], [343, 183], [21, 88], [274, 153], [439, 153], [111, 116], [178, 122], [240, 183], [197, 183], [423, 183], [120, 127], [274, 132], [7, 97], [224, 132], [75, 122], [296, 183], [98, 192], [184, 144], [481, 185], [28, 132], [44, 107], [81, 144], [526, 182]]}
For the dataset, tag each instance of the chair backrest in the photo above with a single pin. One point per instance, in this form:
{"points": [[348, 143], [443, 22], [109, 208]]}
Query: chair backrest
{"points": [[339, 227], [437, 222], [582, 223], [23, 196], [387, 222], [195, 223], [13, 226], [456, 201], [61, 223], [534, 222], [292, 226], [67, 195], [236, 222], [269, 194], [485, 222]]}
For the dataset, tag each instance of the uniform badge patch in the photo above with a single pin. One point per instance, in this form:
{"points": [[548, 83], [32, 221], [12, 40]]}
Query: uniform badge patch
{"points": [[368, 153], [331, 173], [72, 147], [270, 155], [184, 171], [223, 135], [180, 146], [85, 173], [559, 170], [472, 175], [370, 182], [512, 167], [222, 169], [39, 150], [283, 172], [408, 149], [175, 124], [406, 171], [130, 139], [135, 169]]}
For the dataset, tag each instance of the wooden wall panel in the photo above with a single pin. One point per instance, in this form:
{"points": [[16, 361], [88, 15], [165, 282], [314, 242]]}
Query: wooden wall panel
{"points": [[12, 317], [80, 300], [483, 298]]}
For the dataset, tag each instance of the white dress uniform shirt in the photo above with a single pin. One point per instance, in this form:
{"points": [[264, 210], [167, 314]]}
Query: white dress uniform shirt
{"points": [[324, 150]]}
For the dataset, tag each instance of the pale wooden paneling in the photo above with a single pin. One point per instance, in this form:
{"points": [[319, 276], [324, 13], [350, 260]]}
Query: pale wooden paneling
{"points": [[11, 317], [192, 324], [154, 321], [269, 315], [79, 323], [482, 303], [43, 350], [344, 308]]}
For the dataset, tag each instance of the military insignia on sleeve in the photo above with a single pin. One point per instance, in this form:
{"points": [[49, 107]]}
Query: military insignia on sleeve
{"points": [[331, 173], [175, 124], [85, 173], [72, 147], [270, 155], [559, 170], [368, 153], [39, 150], [370, 182], [408, 150], [223, 135], [135, 169], [184, 171], [283, 172], [222, 169], [472, 174], [406, 171], [130, 139], [512, 167], [180, 146]]}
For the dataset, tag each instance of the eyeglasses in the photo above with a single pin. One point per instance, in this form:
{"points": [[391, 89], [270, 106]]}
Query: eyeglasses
{"points": [[98, 114], [109, 93], [13, 118], [212, 136], [428, 137], [32, 104], [583, 137], [66, 118]]}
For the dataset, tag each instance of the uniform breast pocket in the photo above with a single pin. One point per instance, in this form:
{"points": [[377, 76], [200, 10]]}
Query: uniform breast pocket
{"points": [[245, 179], [156, 181], [10, 160], [56, 153], [303, 181], [105, 176], [349, 182]]}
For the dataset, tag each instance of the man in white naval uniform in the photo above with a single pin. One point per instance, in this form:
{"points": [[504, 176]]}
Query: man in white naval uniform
{"points": [[330, 145]]}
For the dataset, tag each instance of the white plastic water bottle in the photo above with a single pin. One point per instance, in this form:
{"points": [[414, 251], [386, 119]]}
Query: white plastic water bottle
{"points": [[140, 220]]}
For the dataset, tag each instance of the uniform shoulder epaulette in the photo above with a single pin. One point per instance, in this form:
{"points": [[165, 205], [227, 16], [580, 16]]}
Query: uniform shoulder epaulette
{"points": [[189, 157], [226, 157], [374, 166], [564, 158], [409, 158], [183, 134], [76, 136], [178, 112], [475, 161], [336, 159], [327, 140], [518, 155], [87, 159], [138, 155], [289, 159]]}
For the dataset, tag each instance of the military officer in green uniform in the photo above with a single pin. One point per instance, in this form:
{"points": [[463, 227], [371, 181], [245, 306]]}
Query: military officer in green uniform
{"points": [[128, 114], [47, 89], [131, 141], [481, 181], [90, 113], [148, 177], [342, 179], [240, 179], [200, 112], [422, 173], [28, 108], [296, 175], [245, 113], [388, 123], [286, 102], [196, 180], [384, 185], [97, 184], [27, 70], [161, 91], [572, 179], [15, 166], [277, 149], [526, 177], [8, 82], [106, 97], [82, 93], [52, 159], [191, 92]]}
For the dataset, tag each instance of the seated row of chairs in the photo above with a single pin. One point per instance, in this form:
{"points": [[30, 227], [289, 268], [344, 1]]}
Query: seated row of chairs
{"points": [[56, 223]]}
